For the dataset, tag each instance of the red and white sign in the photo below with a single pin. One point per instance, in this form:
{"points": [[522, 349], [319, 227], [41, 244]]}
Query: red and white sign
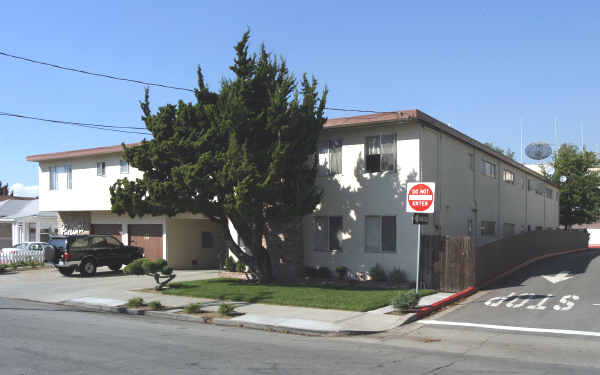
{"points": [[420, 197]]}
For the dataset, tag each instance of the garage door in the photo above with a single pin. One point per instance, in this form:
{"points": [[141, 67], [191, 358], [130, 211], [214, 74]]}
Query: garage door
{"points": [[594, 238], [149, 237], [111, 229]]}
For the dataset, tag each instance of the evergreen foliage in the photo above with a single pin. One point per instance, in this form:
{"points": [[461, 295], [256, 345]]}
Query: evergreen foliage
{"points": [[244, 154], [580, 193]]}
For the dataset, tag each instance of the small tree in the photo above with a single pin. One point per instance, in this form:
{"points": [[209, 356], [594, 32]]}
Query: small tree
{"points": [[500, 150], [244, 155], [158, 269], [580, 192]]}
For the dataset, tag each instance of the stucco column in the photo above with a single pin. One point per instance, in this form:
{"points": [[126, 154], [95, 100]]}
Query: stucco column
{"points": [[37, 231]]}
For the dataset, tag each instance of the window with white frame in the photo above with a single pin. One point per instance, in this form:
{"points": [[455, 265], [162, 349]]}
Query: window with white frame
{"points": [[488, 228], [330, 158], [101, 168], [488, 168], [61, 177], [380, 233], [53, 179], [328, 233], [509, 176], [380, 153], [124, 166]]}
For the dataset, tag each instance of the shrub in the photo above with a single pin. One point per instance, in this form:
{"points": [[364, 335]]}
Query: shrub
{"points": [[405, 300], [226, 309], [155, 305], [136, 267], [229, 264], [136, 302], [240, 267], [342, 272], [324, 273], [193, 308], [3, 267], [166, 270], [310, 271], [377, 273], [397, 276]]}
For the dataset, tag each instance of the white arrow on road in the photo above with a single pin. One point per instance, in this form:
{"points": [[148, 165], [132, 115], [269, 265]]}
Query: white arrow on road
{"points": [[561, 276]]}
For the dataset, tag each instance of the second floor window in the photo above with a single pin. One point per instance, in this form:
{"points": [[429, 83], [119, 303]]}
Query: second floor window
{"points": [[380, 153], [509, 176], [53, 179], [330, 158], [488, 168], [124, 166], [101, 168], [61, 177]]}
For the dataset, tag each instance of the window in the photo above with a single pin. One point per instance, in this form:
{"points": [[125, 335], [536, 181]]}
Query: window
{"points": [[328, 233], [549, 193], [207, 240], [509, 176], [380, 233], [101, 168], [44, 234], [529, 185], [380, 153], [488, 168], [124, 166], [98, 242], [80, 243], [69, 172], [113, 241], [330, 158], [471, 161], [470, 226], [488, 228], [508, 230], [53, 179]]}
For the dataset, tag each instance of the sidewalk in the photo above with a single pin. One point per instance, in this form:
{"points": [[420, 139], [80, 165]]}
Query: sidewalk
{"points": [[263, 316]]}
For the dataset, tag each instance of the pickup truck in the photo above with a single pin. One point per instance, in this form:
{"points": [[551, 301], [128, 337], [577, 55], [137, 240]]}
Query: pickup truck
{"points": [[86, 253]]}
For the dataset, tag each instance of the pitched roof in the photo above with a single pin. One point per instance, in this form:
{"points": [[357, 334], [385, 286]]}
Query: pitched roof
{"points": [[11, 207]]}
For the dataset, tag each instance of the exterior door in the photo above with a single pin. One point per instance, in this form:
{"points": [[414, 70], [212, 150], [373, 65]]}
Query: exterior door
{"points": [[110, 229], [148, 237]]}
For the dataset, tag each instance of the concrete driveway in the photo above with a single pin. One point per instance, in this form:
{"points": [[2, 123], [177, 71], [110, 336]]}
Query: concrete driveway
{"points": [[559, 295], [48, 285]]}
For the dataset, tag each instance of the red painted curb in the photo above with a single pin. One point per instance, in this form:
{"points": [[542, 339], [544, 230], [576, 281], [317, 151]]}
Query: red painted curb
{"points": [[423, 312]]}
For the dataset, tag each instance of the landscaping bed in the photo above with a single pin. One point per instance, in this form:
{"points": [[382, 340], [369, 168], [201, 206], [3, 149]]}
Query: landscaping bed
{"points": [[341, 296]]}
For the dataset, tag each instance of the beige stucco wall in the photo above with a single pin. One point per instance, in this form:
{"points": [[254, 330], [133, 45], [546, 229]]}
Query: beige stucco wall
{"points": [[184, 243]]}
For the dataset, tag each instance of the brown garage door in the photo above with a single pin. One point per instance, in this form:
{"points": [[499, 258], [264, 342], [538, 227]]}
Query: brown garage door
{"points": [[112, 229], [149, 237]]}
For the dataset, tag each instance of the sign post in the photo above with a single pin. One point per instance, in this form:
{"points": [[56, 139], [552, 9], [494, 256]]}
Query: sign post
{"points": [[420, 200]]}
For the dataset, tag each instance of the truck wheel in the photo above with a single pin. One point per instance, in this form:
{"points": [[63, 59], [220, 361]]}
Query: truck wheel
{"points": [[87, 267], [66, 271], [115, 267]]}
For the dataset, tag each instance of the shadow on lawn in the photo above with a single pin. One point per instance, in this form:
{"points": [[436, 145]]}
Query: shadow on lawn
{"points": [[324, 285]]}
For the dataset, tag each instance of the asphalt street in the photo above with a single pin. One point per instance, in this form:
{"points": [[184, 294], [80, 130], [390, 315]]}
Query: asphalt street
{"points": [[39, 338], [555, 294]]}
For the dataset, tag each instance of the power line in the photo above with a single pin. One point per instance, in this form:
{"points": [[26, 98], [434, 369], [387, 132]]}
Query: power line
{"points": [[113, 128], [142, 82], [94, 74]]}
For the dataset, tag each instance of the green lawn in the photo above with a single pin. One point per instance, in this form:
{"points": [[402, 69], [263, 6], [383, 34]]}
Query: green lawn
{"points": [[354, 298]]}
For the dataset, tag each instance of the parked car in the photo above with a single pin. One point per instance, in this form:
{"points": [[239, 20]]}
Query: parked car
{"points": [[85, 253], [27, 251]]}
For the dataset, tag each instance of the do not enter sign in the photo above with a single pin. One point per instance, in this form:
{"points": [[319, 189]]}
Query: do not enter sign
{"points": [[420, 197]]}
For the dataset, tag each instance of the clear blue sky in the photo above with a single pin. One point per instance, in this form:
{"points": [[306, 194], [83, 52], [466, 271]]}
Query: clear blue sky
{"points": [[482, 69]]}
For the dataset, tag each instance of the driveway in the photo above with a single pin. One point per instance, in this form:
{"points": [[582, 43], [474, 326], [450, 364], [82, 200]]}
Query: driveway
{"points": [[48, 285], [554, 296]]}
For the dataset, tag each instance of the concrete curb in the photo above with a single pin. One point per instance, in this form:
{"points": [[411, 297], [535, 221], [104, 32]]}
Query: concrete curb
{"points": [[214, 321], [428, 310]]}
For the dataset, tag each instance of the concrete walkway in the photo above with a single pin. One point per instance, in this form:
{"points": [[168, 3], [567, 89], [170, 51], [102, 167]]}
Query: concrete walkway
{"points": [[110, 290]]}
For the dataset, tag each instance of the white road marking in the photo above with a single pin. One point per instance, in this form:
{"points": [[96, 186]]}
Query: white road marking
{"points": [[511, 328], [596, 304], [561, 276]]}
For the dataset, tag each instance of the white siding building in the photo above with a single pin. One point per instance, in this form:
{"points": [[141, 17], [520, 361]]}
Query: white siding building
{"points": [[366, 162], [75, 184]]}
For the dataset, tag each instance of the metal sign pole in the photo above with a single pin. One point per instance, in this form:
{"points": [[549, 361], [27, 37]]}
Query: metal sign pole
{"points": [[418, 256]]}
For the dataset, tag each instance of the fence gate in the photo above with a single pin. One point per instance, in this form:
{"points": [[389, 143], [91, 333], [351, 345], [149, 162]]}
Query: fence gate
{"points": [[447, 263]]}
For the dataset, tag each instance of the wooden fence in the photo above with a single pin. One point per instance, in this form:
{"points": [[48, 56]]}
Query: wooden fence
{"points": [[447, 263]]}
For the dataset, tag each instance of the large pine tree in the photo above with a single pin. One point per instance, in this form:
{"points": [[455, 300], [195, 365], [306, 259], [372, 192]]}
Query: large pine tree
{"points": [[244, 154]]}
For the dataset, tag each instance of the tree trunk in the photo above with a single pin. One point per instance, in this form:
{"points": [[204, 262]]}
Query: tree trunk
{"points": [[259, 262]]}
